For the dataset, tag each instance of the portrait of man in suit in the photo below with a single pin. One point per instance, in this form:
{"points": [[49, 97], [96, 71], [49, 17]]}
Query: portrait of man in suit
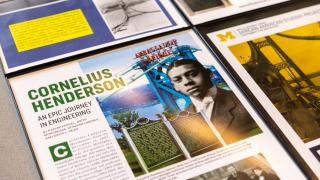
{"points": [[220, 106]]}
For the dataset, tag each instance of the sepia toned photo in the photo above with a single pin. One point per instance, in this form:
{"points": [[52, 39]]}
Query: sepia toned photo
{"points": [[129, 17], [252, 168], [285, 66]]}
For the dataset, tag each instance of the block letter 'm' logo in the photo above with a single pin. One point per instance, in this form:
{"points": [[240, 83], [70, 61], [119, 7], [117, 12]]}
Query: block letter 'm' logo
{"points": [[60, 151], [226, 36]]}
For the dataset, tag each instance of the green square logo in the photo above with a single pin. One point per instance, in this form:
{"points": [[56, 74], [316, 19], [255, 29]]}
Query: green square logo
{"points": [[60, 151]]}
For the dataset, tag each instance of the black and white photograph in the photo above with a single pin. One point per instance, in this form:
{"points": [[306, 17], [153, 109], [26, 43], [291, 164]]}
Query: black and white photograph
{"points": [[252, 168], [11, 5], [129, 17], [219, 105], [198, 6]]}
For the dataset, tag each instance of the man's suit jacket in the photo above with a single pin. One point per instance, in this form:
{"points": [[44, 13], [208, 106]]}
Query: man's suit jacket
{"points": [[230, 118]]}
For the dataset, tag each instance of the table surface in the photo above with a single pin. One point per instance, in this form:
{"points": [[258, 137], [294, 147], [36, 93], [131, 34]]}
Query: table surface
{"points": [[16, 160]]}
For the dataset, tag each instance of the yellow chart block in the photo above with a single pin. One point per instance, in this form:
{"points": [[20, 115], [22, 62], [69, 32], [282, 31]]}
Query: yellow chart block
{"points": [[49, 30]]}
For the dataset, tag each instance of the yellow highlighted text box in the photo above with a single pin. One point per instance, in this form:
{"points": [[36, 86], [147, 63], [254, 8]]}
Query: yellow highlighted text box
{"points": [[49, 30]]}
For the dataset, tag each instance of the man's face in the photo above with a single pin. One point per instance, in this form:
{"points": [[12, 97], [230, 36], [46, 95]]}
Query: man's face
{"points": [[190, 80]]}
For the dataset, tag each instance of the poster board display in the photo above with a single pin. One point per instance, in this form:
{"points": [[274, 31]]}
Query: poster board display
{"points": [[51, 31], [276, 59], [161, 109]]}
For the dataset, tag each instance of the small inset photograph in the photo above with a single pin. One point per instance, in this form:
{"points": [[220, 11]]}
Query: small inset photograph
{"points": [[200, 6], [11, 5], [252, 168], [129, 17]]}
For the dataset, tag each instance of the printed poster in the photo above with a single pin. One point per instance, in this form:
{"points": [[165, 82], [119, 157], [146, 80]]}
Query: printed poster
{"points": [[159, 109], [277, 58], [39, 34]]}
